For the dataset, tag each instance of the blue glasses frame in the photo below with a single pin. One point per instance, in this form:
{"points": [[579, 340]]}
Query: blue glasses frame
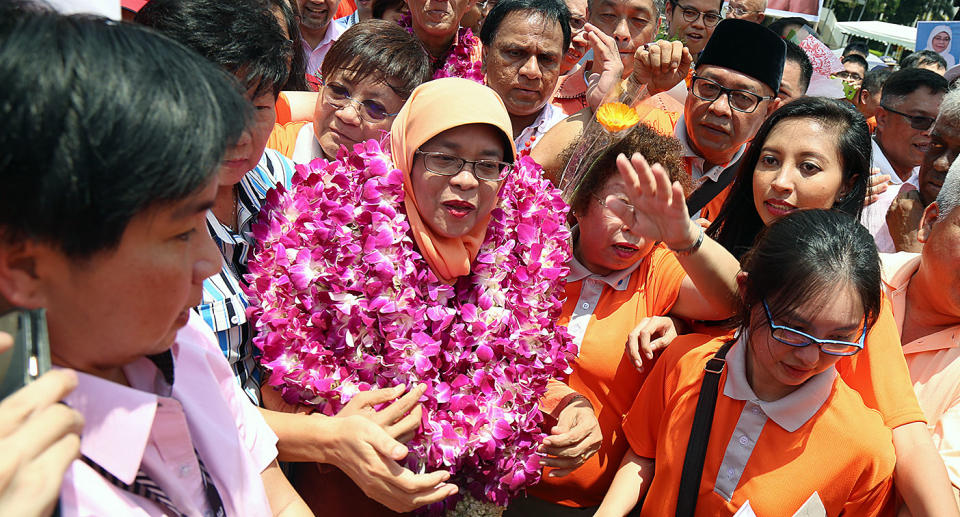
{"points": [[858, 346]]}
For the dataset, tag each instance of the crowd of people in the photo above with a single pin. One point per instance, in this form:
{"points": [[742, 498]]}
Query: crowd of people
{"points": [[305, 258]]}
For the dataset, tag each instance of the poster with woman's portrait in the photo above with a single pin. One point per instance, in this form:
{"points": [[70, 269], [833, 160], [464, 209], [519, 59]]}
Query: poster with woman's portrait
{"points": [[940, 37]]}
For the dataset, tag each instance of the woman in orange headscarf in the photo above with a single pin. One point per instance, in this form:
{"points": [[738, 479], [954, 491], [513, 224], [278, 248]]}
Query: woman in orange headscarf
{"points": [[452, 142]]}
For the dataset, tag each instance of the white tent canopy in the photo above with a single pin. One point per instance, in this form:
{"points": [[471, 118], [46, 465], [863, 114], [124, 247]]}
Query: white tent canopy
{"points": [[884, 32]]}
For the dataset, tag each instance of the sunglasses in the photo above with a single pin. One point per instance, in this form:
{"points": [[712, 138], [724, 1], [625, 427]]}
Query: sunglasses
{"points": [[916, 122]]}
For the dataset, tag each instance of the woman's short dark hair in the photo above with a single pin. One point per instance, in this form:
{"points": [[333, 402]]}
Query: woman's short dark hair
{"points": [[242, 36], [549, 9], [380, 50], [738, 222], [806, 256], [643, 139], [108, 120]]}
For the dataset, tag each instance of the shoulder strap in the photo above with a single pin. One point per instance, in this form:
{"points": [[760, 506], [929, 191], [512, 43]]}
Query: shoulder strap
{"points": [[700, 433], [709, 189]]}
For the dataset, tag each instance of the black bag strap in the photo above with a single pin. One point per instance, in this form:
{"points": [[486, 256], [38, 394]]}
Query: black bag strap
{"points": [[710, 189], [700, 433]]}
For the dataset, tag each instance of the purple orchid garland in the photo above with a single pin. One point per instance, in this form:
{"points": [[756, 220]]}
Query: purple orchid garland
{"points": [[462, 60], [342, 302]]}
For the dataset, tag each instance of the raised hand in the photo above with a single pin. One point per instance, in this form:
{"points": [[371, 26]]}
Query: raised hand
{"points": [[607, 67], [661, 65], [658, 209]]}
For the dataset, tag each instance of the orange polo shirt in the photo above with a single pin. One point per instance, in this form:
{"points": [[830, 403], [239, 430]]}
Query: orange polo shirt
{"points": [[818, 449], [934, 364], [879, 373], [601, 312]]}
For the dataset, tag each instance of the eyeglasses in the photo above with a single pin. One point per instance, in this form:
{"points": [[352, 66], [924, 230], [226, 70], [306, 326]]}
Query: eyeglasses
{"points": [[449, 165], [577, 24], [740, 100], [616, 206], [710, 18], [853, 76], [916, 122], [338, 96], [736, 12], [793, 337]]}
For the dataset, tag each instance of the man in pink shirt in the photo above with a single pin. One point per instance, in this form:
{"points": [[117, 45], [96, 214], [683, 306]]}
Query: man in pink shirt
{"points": [[925, 291], [103, 219]]}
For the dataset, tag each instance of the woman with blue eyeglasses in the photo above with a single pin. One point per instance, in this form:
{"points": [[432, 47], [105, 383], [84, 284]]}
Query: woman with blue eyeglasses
{"points": [[782, 433]]}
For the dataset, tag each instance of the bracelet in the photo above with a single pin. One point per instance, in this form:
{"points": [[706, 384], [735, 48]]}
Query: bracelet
{"points": [[691, 248]]}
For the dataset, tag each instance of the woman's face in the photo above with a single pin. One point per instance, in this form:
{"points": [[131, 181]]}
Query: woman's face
{"points": [[351, 124], [245, 154], [941, 41], [451, 206], [800, 167], [776, 369], [605, 243]]}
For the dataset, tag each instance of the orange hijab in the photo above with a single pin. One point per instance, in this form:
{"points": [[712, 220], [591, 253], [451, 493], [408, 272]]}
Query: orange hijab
{"points": [[433, 108]]}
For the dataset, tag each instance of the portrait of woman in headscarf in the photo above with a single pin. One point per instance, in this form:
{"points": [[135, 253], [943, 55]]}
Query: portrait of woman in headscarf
{"points": [[940, 41]]}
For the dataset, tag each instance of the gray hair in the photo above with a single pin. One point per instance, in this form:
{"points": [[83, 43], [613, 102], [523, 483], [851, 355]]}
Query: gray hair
{"points": [[949, 112], [949, 197]]}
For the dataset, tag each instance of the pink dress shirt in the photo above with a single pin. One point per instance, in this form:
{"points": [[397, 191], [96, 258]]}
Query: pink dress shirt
{"points": [[934, 363], [147, 426]]}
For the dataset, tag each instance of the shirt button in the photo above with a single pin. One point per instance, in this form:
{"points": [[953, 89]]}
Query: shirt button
{"points": [[585, 305], [234, 320], [756, 410], [731, 472], [184, 470], [743, 441]]}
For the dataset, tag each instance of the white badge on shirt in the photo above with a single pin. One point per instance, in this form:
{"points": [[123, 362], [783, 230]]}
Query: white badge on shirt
{"points": [[745, 511], [812, 508]]}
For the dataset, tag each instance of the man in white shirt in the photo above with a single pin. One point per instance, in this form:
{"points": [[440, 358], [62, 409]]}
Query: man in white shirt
{"points": [[523, 46], [908, 107]]}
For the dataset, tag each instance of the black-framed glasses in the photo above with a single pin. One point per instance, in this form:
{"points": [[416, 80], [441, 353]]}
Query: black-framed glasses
{"points": [[339, 97], [690, 14], [794, 337], [853, 76], [449, 165], [577, 24], [916, 121], [740, 100]]}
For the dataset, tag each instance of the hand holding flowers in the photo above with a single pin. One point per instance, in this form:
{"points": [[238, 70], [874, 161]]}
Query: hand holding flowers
{"points": [[573, 440]]}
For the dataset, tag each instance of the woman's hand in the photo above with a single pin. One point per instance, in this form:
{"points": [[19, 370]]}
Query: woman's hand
{"points": [[659, 209], [661, 65], [573, 440], [607, 67], [40, 438], [649, 336]]}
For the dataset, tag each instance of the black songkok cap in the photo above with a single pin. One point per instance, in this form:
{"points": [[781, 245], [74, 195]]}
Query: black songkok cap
{"points": [[748, 48]]}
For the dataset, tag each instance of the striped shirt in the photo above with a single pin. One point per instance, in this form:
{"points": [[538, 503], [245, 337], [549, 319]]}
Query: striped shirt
{"points": [[224, 304]]}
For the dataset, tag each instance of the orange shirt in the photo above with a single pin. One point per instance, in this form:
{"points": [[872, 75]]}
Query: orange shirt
{"points": [[879, 373], [602, 372], [283, 138], [817, 448]]}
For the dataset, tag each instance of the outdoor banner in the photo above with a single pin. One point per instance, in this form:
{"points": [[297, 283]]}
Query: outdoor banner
{"points": [[806, 9], [940, 37]]}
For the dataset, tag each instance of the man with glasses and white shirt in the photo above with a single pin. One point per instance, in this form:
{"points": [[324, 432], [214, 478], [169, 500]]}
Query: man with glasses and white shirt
{"points": [[750, 10], [908, 106]]}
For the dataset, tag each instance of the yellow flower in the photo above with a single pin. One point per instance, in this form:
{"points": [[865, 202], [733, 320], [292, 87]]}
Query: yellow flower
{"points": [[617, 116]]}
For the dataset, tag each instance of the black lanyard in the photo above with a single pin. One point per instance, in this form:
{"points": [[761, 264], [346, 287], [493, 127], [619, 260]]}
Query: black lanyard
{"points": [[144, 486]]}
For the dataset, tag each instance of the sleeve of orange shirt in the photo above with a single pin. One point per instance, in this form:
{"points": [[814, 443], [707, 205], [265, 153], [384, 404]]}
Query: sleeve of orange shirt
{"points": [[556, 392], [641, 424], [283, 138], [663, 284], [879, 373]]}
